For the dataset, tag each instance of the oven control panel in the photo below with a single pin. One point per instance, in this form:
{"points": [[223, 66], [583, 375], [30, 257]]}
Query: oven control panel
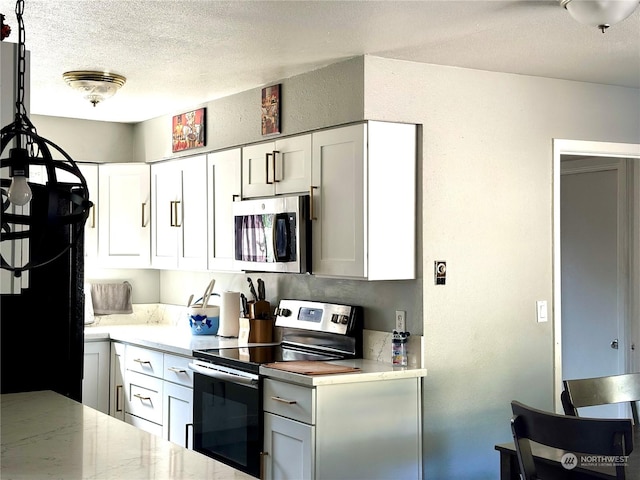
{"points": [[317, 316]]}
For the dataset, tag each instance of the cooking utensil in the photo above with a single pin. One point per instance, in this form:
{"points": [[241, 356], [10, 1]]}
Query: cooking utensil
{"points": [[261, 291], [245, 309], [252, 289], [190, 300], [207, 293]]}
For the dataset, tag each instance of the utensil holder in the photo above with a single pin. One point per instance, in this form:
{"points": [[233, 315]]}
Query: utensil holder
{"points": [[259, 310]]}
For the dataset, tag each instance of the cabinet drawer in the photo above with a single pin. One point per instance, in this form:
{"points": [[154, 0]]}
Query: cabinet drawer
{"points": [[150, 427], [144, 397], [143, 360], [176, 370], [288, 400]]}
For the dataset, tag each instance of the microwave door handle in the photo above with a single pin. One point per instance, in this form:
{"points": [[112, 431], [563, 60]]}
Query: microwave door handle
{"points": [[274, 236]]}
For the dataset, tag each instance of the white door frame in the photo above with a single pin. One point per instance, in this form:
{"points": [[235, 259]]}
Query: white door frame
{"points": [[584, 148]]}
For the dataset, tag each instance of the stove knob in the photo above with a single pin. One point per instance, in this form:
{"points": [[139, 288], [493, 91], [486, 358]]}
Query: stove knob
{"points": [[335, 318], [344, 320], [285, 312]]}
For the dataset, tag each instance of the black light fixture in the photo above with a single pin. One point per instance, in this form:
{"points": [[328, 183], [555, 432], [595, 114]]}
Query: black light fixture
{"points": [[29, 150]]}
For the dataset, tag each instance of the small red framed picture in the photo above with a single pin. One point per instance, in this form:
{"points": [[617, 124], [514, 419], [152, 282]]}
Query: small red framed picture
{"points": [[270, 110], [188, 130]]}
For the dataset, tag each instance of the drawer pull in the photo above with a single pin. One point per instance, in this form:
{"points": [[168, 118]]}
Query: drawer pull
{"points": [[177, 370], [142, 398], [118, 396], [284, 400], [142, 361]]}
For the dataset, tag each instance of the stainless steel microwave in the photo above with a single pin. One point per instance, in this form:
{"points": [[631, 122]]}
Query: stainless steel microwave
{"points": [[273, 234]]}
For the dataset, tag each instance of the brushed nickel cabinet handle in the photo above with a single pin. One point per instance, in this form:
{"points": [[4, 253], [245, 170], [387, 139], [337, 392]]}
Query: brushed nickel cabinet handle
{"points": [[118, 397], [263, 459], [176, 209], [93, 216], [142, 398], [273, 162], [138, 360], [186, 434], [144, 204], [311, 215], [176, 369], [171, 222], [266, 167], [284, 400]]}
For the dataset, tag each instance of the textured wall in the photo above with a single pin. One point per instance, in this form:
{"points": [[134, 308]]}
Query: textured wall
{"points": [[487, 211], [321, 98], [87, 140]]}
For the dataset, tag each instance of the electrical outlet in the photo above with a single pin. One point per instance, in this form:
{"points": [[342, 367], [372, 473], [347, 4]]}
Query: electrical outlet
{"points": [[400, 320]]}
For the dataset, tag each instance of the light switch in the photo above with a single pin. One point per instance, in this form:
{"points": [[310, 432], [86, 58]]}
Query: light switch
{"points": [[541, 310]]}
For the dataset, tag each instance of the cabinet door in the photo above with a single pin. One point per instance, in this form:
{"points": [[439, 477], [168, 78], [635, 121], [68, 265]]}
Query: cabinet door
{"points": [[165, 195], [124, 212], [256, 160], [224, 180], [289, 449], [339, 228], [177, 424], [116, 391], [192, 218], [95, 382], [291, 165]]}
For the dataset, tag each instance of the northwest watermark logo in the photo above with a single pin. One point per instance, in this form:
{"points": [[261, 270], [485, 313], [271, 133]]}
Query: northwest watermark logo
{"points": [[571, 460]]}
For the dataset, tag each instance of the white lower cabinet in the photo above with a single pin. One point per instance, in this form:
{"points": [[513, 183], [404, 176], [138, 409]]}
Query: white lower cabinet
{"points": [[355, 430], [158, 393], [290, 447], [116, 381], [95, 381]]}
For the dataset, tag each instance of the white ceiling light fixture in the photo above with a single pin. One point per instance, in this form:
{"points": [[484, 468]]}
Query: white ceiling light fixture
{"points": [[600, 13], [93, 85]]}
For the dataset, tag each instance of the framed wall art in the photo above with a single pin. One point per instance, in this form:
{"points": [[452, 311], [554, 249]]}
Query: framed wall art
{"points": [[270, 110], [188, 130]]}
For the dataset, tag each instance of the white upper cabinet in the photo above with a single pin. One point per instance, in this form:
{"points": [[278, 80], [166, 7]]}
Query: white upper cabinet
{"points": [[179, 213], [364, 201], [223, 180], [277, 168], [124, 211]]}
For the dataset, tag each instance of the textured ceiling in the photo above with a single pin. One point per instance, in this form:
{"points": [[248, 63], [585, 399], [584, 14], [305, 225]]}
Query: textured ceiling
{"points": [[179, 54]]}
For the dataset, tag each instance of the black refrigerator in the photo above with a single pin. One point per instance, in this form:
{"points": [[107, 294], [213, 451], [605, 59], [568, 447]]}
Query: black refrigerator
{"points": [[42, 328]]}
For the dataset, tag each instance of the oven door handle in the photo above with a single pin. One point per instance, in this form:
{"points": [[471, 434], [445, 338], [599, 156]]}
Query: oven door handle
{"points": [[230, 377]]}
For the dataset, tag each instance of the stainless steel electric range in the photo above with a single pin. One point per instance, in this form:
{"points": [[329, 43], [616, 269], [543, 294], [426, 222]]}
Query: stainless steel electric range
{"points": [[227, 405]]}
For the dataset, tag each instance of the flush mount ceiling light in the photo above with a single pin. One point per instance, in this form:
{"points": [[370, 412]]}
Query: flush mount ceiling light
{"points": [[93, 85], [600, 13]]}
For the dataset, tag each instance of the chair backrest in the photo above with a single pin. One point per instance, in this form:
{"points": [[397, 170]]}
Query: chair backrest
{"points": [[596, 436], [589, 392]]}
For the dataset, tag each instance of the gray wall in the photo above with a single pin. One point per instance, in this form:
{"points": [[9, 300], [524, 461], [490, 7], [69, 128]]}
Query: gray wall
{"points": [[487, 210]]}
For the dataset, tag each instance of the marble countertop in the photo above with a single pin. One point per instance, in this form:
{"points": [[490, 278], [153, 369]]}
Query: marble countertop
{"points": [[48, 436], [180, 341], [168, 338], [369, 371]]}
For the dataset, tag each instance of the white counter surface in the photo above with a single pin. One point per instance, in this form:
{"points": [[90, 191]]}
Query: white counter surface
{"points": [[48, 436], [369, 371], [162, 337], [180, 341]]}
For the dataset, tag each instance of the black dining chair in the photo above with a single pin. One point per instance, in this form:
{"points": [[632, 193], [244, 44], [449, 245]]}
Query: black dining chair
{"points": [[589, 392], [591, 436]]}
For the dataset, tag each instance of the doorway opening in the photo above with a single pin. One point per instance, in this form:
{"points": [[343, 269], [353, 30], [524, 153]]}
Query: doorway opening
{"points": [[612, 153]]}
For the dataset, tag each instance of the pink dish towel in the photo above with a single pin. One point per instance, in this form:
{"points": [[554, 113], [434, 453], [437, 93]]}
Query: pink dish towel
{"points": [[110, 298]]}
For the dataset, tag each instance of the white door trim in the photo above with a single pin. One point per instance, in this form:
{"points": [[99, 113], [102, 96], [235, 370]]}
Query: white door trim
{"points": [[584, 148]]}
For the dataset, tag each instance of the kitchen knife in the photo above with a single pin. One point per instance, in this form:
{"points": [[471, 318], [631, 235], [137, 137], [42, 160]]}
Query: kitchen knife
{"points": [[261, 292], [245, 310], [252, 289]]}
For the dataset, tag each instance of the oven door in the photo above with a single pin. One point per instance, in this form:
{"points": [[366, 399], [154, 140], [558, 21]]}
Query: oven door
{"points": [[227, 416]]}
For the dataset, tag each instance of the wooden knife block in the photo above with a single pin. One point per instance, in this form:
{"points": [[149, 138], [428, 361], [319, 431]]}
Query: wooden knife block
{"points": [[259, 310]]}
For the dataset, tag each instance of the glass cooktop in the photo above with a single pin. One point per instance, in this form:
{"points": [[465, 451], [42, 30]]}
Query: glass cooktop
{"points": [[249, 359]]}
